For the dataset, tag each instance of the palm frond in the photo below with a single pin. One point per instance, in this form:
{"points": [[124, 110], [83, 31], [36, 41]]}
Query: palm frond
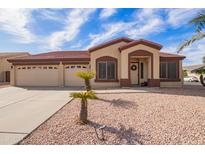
{"points": [[91, 95], [77, 95], [84, 95], [199, 21], [196, 37], [86, 75]]}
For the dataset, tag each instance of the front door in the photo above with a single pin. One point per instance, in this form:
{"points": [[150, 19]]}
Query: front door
{"points": [[134, 73]]}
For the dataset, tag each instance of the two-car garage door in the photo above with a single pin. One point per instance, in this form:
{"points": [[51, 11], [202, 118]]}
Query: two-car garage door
{"points": [[37, 76], [48, 75]]}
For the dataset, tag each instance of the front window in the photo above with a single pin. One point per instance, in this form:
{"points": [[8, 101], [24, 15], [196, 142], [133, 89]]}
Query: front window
{"points": [[168, 70], [107, 70]]}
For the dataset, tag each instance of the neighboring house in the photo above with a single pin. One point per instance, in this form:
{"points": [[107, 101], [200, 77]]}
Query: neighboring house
{"points": [[120, 62], [191, 69], [5, 66]]}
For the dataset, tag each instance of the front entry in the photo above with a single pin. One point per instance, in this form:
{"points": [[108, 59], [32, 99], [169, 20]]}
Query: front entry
{"points": [[134, 73]]}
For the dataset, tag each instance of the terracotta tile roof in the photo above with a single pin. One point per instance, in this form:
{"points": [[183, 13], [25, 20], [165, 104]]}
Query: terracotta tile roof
{"points": [[12, 54], [56, 55], [122, 39], [165, 54], [141, 41]]}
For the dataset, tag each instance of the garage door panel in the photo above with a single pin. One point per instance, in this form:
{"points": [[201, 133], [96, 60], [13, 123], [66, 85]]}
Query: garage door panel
{"points": [[37, 76], [70, 75]]}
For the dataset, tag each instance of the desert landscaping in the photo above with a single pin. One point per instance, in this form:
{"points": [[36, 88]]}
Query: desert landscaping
{"points": [[157, 116]]}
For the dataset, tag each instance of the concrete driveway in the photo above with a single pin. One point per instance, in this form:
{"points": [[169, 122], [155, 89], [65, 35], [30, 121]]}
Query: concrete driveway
{"points": [[24, 109]]}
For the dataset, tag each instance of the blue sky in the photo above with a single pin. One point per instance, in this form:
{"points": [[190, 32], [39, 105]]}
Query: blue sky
{"points": [[43, 30]]}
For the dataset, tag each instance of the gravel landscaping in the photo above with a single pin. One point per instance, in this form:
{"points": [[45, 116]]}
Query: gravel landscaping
{"points": [[164, 116]]}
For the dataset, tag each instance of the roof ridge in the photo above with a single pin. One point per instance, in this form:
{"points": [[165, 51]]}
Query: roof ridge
{"points": [[110, 42]]}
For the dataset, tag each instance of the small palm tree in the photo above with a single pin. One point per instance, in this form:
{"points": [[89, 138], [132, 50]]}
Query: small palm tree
{"points": [[86, 76], [84, 96]]}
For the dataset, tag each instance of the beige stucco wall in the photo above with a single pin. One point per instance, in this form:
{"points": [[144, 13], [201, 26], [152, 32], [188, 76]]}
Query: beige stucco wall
{"points": [[111, 51], [171, 84], [124, 60], [6, 66]]}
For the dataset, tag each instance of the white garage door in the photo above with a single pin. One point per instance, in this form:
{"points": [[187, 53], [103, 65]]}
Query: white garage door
{"points": [[37, 75], [70, 75]]}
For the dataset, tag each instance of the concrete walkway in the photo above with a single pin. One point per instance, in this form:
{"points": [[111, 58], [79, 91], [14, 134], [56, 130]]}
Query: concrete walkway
{"points": [[22, 110]]}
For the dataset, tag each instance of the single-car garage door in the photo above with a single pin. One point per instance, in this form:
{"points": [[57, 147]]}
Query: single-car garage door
{"points": [[70, 75], [37, 75]]}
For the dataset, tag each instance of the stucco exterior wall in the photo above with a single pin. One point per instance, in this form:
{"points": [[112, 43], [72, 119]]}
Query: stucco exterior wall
{"points": [[171, 84], [6, 66], [111, 51], [124, 60]]}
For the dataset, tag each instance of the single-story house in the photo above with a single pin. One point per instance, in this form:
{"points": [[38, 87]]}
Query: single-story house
{"points": [[192, 69], [5, 66], [120, 62]]}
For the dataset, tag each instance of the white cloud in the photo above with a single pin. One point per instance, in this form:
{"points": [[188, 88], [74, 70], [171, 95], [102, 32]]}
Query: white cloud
{"points": [[51, 14], [110, 30], [75, 19], [179, 17], [193, 53], [152, 26], [148, 22], [16, 23], [145, 22], [106, 13]]}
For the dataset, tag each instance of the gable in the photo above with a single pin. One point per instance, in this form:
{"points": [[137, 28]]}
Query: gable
{"points": [[143, 42], [110, 43]]}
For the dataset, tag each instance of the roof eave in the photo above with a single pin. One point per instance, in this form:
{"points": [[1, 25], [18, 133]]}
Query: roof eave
{"points": [[106, 44]]}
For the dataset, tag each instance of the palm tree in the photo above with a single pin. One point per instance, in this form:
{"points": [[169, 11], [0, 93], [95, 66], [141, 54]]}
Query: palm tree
{"points": [[86, 76], [199, 23], [84, 96]]}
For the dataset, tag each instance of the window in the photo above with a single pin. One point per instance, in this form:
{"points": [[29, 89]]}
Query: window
{"points": [[78, 66], [142, 70], [107, 70], [168, 70]]}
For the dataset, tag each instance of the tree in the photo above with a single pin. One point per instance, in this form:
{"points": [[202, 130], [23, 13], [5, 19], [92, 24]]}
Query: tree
{"points": [[84, 96], [201, 71], [86, 76], [199, 23], [185, 74]]}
